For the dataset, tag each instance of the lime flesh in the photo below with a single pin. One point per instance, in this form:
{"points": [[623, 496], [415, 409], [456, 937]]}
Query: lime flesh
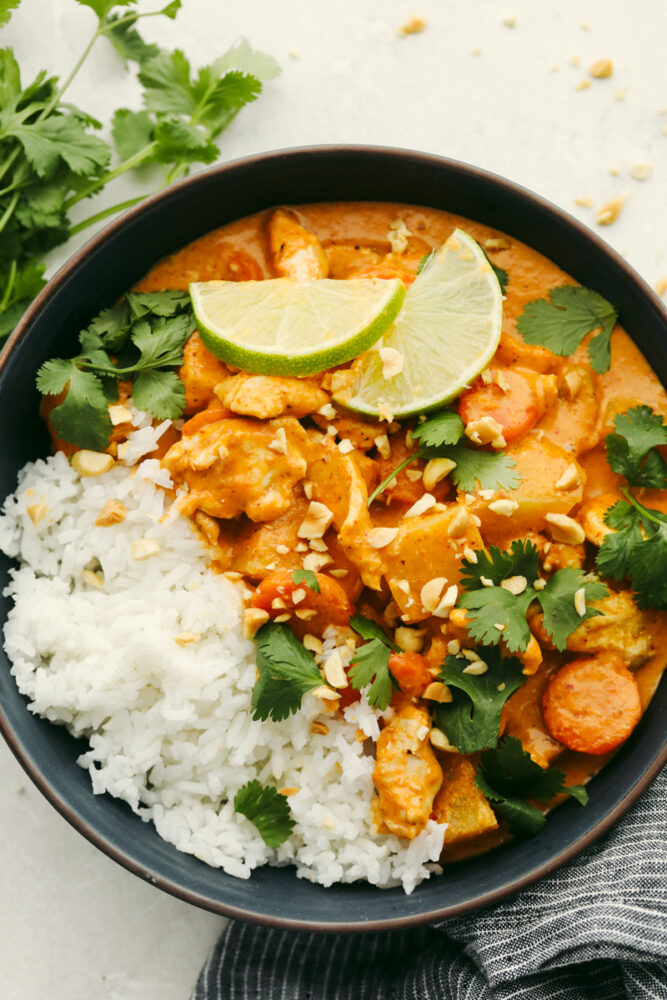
{"points": [[284, 327], [446, 333]]}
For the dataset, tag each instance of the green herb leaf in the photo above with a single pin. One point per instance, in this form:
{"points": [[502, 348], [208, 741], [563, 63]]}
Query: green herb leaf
{"points": [[484, 470], [6, 8], [631, 451], [471, 721], [508, 776], [370, 665], [287, 671], [308, 578], [132, 131], [241, 56], [561, 618], [444, 427], [491, 605], [561, 321], [368, 629], [83, 416], [267, 810], [126, 39]]}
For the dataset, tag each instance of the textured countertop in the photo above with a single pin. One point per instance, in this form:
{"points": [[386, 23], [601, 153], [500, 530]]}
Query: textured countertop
{"points": [[496, 84]]}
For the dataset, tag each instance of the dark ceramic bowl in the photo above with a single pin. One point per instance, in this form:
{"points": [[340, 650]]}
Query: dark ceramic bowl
{"points": [[93, 279]]}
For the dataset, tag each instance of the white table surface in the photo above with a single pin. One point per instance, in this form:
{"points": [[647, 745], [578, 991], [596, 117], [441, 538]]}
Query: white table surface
{"points": [[74, 925]]}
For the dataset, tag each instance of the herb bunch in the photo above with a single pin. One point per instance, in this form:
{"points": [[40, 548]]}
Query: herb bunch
{"points": [[51, 159]]}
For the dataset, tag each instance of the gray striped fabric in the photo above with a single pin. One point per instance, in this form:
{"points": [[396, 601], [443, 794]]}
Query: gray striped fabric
{"points": [[594, 930]]}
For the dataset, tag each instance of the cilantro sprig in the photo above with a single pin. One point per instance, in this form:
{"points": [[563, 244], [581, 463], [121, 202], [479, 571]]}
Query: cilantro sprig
{"points": [[471, 721], [267, 810], [439, 436], [307, 578], [370, 663], [562, 320], [490, 605], [508, 776], [145, 334], [287, 671], [51, 159], [637, 546]]}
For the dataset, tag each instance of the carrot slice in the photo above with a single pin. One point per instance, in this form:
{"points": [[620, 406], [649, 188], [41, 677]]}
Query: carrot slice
{"points": [[275, 594], [411, 671], [592, 705], [514, 404]]}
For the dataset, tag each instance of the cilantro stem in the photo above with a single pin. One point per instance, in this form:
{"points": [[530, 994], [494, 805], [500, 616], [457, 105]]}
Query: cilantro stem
{"points": [[644, 511], [99, 182], [57, 97], [9, 211], [91, 220], [392, 475], [8, 287]]}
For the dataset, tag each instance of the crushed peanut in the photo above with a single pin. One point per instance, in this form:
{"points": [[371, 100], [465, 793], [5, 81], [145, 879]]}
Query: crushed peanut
{"points": [[37, 512], [410, 640], [504, 507], [113, 512], [570, 479], [413, 26], [187, 638], [514, 584], [378, 538], [602, 69], [93, 579], [319, 728], [91, 463], [610, 211], [431, 592], [317, 520], [253, 619], [565, 529], [437, 691], [312, 643], [381, 442], [476, 669], [486, 430], [580, 601], [144, 548], [119, 414], [435, 470], [315, 561], [334, 672], [440, 741], [421, 506]]}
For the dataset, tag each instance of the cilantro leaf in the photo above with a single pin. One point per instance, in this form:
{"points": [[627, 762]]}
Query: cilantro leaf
{"points": [[6, 8], [484, 470], [132, 131], [370, 665], [508, 776], [160, 393], [368, 629], [492, 605], [500, 273], [123, 35], [83, 416], [267, 810], [55, 140], [562, 320], [241, 56], [561, 618], [308, 578], [444, 427], [471, 721], [287, 671], [631, 451]]}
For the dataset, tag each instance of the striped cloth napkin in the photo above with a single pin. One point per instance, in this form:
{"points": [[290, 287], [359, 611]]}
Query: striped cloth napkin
{"points": [[594, 930]]}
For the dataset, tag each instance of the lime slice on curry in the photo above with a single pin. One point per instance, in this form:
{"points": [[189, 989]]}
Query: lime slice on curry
{"points": [[445, 335], [284, 327]]}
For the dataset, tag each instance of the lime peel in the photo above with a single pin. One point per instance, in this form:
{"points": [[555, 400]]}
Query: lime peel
{"points": [[447, 332], [282, 327]]}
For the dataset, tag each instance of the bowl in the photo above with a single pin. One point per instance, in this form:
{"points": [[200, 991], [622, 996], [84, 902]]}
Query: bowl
{"points": [[94, 278]]}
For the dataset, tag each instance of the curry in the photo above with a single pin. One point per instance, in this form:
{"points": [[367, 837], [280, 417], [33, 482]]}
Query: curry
{"points": [[277, 480]]}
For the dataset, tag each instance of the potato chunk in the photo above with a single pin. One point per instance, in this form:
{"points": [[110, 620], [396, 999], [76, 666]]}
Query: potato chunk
{"points": [[460, 804], [425, 550]]}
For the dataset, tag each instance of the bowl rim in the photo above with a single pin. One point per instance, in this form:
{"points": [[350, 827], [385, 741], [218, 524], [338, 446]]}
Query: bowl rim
{"points": [[395, 155]]}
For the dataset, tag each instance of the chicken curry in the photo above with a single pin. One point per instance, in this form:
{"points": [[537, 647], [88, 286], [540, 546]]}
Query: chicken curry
{"points": [[282, 483]]}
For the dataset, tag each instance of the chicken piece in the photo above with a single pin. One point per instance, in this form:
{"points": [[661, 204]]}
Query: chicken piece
{"points": [[563, 556], [407, 774], [267, 396], [338, 484], [240, 466], [346, 260], [361, 431], [621, 628], [199, 373], [513, 351], [460, 804], [426, 549], [296, 252]]}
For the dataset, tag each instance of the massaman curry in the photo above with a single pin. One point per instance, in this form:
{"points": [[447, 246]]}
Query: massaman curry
{"points": [[277, 476]]}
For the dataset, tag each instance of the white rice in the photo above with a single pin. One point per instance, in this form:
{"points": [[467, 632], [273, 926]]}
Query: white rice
{"points": [[169, 726]]}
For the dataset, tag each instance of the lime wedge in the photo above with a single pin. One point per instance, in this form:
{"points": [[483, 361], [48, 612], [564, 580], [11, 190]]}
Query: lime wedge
{"points": [[284, 327], [445, 334]]}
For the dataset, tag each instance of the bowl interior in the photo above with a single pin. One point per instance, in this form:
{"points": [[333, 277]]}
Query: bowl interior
{"points": [[94, 279]]}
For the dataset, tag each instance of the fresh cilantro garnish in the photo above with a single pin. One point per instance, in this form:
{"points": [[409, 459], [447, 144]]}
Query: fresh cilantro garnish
{"points": [[490, 605], [370, 663], [471, 721], [267, 810], [440, 436], [308, 578], [561, 321], [508, 776], [287, 671], [500, 273], [146, 334], [51, 159], [637, 547], [368, 629]]}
